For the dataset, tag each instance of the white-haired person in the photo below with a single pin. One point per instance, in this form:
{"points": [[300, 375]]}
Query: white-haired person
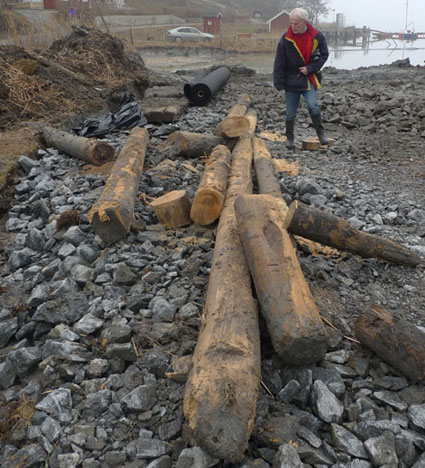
{"points": [[301, 53]]}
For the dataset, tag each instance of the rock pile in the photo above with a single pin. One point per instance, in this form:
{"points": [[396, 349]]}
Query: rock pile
{"points": [[88, 331]]}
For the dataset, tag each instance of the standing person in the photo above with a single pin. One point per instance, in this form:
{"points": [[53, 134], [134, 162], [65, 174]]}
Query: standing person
{"points": [[301, 53]]}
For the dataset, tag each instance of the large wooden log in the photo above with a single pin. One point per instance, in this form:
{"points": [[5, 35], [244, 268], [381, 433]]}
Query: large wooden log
{"points": [[396, 341], [172, 209], [111, 216], [267, 180], [88, 149], [325, 228], [209, 198], [236, 123], [193, 145], [293, 321], [222, 388]]}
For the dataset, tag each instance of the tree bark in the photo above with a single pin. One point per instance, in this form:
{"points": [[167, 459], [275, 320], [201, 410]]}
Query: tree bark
{"points": [[172, 209], [88, 149], [222, 388], [236, 123], [209, 198], [328, 229], [113, 213], [193, 145], [394, 340]]}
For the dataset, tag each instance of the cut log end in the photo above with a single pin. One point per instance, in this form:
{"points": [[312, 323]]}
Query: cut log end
{"points": [[101, 152], [313, 143], [206, 207], [172, 209]]}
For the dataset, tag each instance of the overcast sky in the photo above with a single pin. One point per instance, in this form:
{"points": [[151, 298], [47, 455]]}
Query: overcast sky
{"points": [[384, 15]]}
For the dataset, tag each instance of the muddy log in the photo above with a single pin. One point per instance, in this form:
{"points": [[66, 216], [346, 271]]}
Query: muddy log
{"points": [[88, 149], [397, 342], [222, 388], [193, 145], [209, 198], [325, 228], [236, 123], [172, 209], [111, 216]]}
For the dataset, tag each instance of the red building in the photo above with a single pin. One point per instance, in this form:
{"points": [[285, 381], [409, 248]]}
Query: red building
{"points": [[212, 23], [279, 23]]}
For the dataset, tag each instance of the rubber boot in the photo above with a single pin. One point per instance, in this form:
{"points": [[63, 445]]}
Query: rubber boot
{"points": [[290, 138], [317, 123]]}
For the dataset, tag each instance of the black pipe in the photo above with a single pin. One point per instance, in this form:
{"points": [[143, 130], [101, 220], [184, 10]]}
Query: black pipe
{"points": [[202, 91], [198, 77]]}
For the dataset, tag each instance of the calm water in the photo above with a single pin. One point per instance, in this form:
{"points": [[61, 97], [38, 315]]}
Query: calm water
{"points": [[342, 57]]}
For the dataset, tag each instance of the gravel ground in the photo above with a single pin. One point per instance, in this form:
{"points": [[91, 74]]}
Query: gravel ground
{"points": [[88, 331]]}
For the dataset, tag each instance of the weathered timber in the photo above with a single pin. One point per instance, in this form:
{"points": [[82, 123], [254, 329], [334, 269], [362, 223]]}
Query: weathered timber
{"points": [[222, 388], [111, 216], [325, 228], [236, 123], [172, 209], [193, 145], [394, 340], [313, 143], [209, 198], [268, 182], [251, 115], [88, 149]]}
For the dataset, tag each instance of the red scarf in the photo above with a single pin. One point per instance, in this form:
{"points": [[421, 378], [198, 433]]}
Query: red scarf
{"points": [[304, 43]]}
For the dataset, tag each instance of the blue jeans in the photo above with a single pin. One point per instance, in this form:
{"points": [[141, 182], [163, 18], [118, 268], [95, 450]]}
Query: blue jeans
{"points": [[293, 100]]}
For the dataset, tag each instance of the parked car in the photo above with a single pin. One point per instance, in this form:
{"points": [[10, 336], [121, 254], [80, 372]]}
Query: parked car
{"points": [[186, 33]]}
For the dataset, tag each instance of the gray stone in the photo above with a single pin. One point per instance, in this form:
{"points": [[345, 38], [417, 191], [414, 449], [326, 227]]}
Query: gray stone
{"points": [[325, 404], [192, 458], [347, 442], [124, 275], [391, 383], [124, 351], [68, 460], [417, 215], [420, 463], [416, 414], [188, 311], [67, 250], [162, 310], [65, 350], [97, 367], [39, 295], [74, 235], [161, 462], [391, 399], [24, 359], [148, 448], [309, 436], [30, 456], [308, 186], [357, 223], [27, 163], [87, 253], [7, 329], [368, 429], [88, 324], [115, 458], [339, 357], [20, 258], [97, 403], [140, 399], [170, 430], [156, 361], [7, 374], [331, 378], [36, 240], [58, 404], [289, 392], [51, 429], [381, 450], [358, 464], [82, 274], [118, 333]]}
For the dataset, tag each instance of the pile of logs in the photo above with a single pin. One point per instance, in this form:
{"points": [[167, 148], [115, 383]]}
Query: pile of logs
{"points": [[253, 241]]}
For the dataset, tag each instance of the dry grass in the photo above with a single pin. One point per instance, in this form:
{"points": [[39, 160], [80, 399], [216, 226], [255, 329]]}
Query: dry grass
{"points": [[13, 412]]}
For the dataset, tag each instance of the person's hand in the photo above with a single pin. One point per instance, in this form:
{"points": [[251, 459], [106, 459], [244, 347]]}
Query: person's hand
{"points": [[303, 70]]}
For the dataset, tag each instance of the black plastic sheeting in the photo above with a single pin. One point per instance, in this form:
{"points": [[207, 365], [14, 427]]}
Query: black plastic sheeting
{"points": [[205, 85], [127, 117]]}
